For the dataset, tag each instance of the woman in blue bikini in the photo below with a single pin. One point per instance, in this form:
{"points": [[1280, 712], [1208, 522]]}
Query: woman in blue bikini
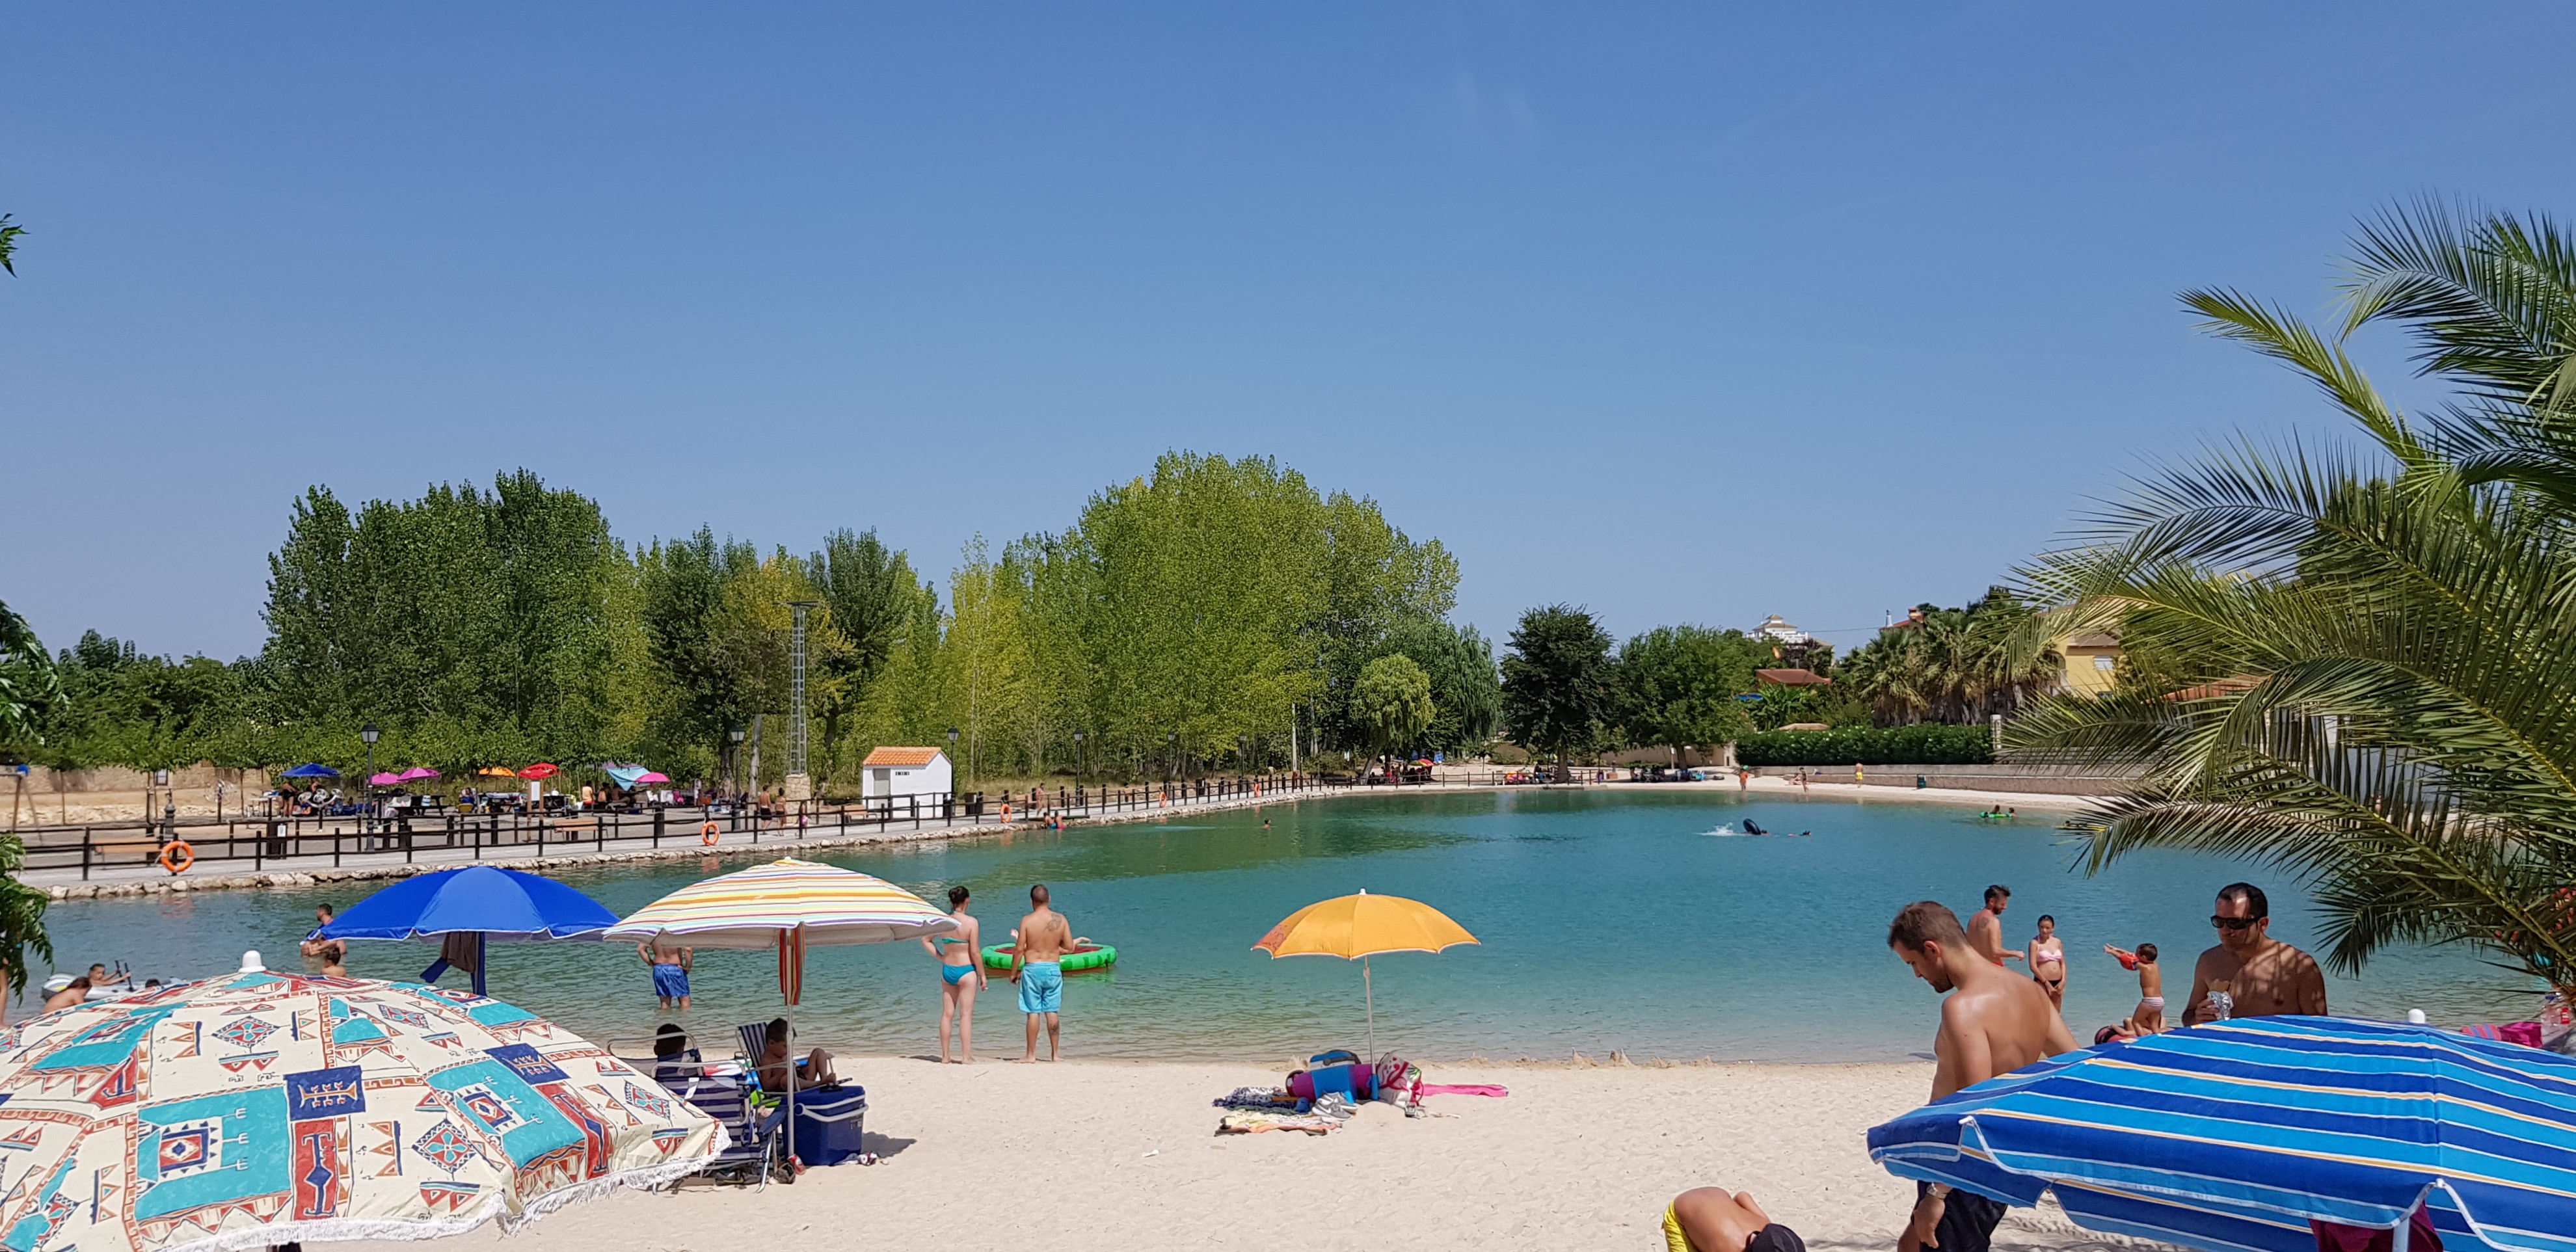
{"points": [[961, 975]]}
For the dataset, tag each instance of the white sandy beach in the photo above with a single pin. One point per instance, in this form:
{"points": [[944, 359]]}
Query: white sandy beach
{"points": [[1116, 1156]]}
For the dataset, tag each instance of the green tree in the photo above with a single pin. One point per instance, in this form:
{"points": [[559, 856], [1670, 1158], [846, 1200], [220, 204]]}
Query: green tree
{"points": [[29, 687], [471, 624], [1466, 691], [1677, 687], [1953, 665], [28, 692], [2375, 643], [684, 609], [1392, 701], [872, 594], [1557, 689]]}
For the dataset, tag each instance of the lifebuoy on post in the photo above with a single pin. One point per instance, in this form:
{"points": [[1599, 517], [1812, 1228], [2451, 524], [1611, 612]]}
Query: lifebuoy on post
{"points": [[707, 834], [1006, 811], [177, 856]]}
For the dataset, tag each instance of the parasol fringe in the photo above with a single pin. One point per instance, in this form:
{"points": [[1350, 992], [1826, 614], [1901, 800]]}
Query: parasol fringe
{"points": [[335, 1229]]}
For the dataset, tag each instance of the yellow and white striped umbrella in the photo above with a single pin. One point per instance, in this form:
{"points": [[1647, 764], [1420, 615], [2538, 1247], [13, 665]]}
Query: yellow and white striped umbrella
{"points": [[749, 908]]}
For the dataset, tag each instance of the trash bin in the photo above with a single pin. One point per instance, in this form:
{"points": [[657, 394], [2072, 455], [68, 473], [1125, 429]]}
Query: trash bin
{"points": [[828, 1124]]}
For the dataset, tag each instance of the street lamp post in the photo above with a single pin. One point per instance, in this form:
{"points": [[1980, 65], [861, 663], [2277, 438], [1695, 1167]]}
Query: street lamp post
{"points": [[733, 757], [952, 763], [369, 734]]}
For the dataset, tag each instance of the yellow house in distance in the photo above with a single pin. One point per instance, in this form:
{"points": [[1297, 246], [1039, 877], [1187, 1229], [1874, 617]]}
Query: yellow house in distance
{"points": [[2092, 663]]}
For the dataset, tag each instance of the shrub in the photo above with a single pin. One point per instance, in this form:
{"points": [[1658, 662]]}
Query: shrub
{"points": [[1900, 745]]}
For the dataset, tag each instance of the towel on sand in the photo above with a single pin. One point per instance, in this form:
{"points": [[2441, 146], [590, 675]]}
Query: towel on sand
{"points": [[1253, 1122]]}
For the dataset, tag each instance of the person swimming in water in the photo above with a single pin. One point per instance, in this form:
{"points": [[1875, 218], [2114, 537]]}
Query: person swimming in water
{"points": [[1752, 829]]}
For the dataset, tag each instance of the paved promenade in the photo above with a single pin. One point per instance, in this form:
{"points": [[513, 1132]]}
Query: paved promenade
{"points": [[682, 841]]}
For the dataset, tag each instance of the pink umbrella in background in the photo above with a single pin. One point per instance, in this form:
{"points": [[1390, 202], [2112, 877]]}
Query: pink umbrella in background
{"points": [[387, 779], [652, 776], [416, 773]]}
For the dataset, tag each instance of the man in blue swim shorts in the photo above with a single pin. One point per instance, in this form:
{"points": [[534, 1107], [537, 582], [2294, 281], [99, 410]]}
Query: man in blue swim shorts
{"points": [[670, 964], [1037, 954]]}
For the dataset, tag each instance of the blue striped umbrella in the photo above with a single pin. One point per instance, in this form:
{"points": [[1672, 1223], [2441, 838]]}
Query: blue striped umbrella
{"points": [[2231, 1136]]}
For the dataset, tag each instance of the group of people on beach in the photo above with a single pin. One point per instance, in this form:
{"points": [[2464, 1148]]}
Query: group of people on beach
{"points": [[1040, 943], [1994, 1021]]}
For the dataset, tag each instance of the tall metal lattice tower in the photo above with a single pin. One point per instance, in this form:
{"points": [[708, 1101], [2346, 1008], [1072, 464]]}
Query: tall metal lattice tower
{"points": [[796, 691]]}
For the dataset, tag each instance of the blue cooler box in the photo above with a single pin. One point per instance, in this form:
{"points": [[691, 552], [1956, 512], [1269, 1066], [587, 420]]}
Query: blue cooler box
{"points": [[828, 1124]]}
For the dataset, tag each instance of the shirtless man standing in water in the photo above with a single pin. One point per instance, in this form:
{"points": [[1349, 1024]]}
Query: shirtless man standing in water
{"points": [[1037, 953], [1992, 1023], [1986, 929], [2261, 974]]}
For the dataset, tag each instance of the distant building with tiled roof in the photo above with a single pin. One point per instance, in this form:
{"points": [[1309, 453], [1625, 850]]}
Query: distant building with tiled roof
{"points": [[895, 773], [1793, 677]]}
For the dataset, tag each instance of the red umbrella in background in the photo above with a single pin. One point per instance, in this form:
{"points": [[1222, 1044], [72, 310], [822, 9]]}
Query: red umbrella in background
{"points": [[541, 769]]}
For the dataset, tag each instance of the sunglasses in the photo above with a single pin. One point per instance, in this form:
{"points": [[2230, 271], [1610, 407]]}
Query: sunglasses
{"points": [[2232, 923]]}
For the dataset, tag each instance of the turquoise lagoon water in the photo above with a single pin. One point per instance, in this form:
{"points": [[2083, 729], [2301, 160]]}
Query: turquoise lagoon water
{"points": [[1609, 920]]}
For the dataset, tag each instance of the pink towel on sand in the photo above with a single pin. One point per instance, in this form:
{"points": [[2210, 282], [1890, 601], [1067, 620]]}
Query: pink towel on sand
{"points": [[1470, 1088]]}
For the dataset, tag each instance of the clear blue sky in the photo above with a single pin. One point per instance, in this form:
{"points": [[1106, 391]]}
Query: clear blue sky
{"points": [[1686, 313]]}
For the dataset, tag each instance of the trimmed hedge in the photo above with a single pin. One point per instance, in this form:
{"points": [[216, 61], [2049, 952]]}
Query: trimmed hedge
{"points": [[1900, 745]]}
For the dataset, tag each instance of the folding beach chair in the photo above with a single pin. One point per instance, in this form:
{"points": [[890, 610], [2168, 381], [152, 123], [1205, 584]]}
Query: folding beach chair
{"points": [[731, 1095]]}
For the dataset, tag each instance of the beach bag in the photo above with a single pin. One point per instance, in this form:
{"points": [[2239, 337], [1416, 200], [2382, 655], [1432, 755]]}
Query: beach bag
{"points": [[1338, 1056], [1396, 1080]]}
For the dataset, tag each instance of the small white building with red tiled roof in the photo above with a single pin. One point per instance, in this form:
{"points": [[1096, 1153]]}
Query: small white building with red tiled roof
{"points": [[899, 772]]}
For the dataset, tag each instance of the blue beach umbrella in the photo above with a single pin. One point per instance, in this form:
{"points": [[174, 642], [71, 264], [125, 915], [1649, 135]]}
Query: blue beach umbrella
{"points": [[2233, 1135], [309, 771], [485, 901]]}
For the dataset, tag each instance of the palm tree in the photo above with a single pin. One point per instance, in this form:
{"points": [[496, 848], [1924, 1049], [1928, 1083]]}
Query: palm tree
{"points": [[2366, 656], [9, 232], [1952, 665]]}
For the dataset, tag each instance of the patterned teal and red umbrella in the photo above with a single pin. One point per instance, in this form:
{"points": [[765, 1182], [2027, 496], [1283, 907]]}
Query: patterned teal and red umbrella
{"points": [[261, 1108]]}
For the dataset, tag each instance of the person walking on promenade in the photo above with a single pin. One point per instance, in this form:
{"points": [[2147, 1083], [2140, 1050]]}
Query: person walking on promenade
{"points": [[1037, 955], [1992, 1023], [961, 975], [1986, 929], [2258, 975], [670, 965]]}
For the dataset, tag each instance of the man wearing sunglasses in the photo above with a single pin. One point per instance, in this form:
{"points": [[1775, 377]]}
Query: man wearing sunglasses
{"points": [[2262, 975]]}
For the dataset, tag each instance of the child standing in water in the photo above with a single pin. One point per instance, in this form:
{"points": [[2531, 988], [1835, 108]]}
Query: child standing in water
{"points": [[2150, 1016]]}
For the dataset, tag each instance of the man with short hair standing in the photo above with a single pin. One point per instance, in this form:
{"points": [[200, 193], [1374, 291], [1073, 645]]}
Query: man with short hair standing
{"points": [[2260, 975], [1992, 1023], [1037, 955], [1986, 929], [669, 961]]}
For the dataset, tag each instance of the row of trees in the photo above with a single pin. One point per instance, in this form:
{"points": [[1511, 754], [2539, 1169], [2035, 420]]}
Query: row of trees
{"points": [[2358, 661], [1567, 693], [1213, 613]]}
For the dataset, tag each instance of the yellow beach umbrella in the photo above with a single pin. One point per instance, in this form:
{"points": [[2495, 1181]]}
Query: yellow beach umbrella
{"points": [[1356, 927]]}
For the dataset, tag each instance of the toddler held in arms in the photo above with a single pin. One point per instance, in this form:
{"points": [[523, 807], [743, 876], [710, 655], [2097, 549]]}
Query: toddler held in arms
{"points": [[1713, 1219]]}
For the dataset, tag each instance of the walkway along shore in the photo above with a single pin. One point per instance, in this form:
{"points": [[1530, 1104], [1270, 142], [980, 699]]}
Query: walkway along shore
{"points": [[136, 880]]}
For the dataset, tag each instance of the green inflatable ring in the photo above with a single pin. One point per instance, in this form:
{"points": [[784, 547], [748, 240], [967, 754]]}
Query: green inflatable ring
{"points": [[1087, 957]]}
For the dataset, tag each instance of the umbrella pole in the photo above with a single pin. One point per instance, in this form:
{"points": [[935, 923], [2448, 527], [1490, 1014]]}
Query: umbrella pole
{"points": [[796, 979], [480, 962], [1369, 989]]}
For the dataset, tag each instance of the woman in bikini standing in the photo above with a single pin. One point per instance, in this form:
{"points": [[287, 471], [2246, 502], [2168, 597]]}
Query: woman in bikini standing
{"points": [[961, 975], [2048, 961]]}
